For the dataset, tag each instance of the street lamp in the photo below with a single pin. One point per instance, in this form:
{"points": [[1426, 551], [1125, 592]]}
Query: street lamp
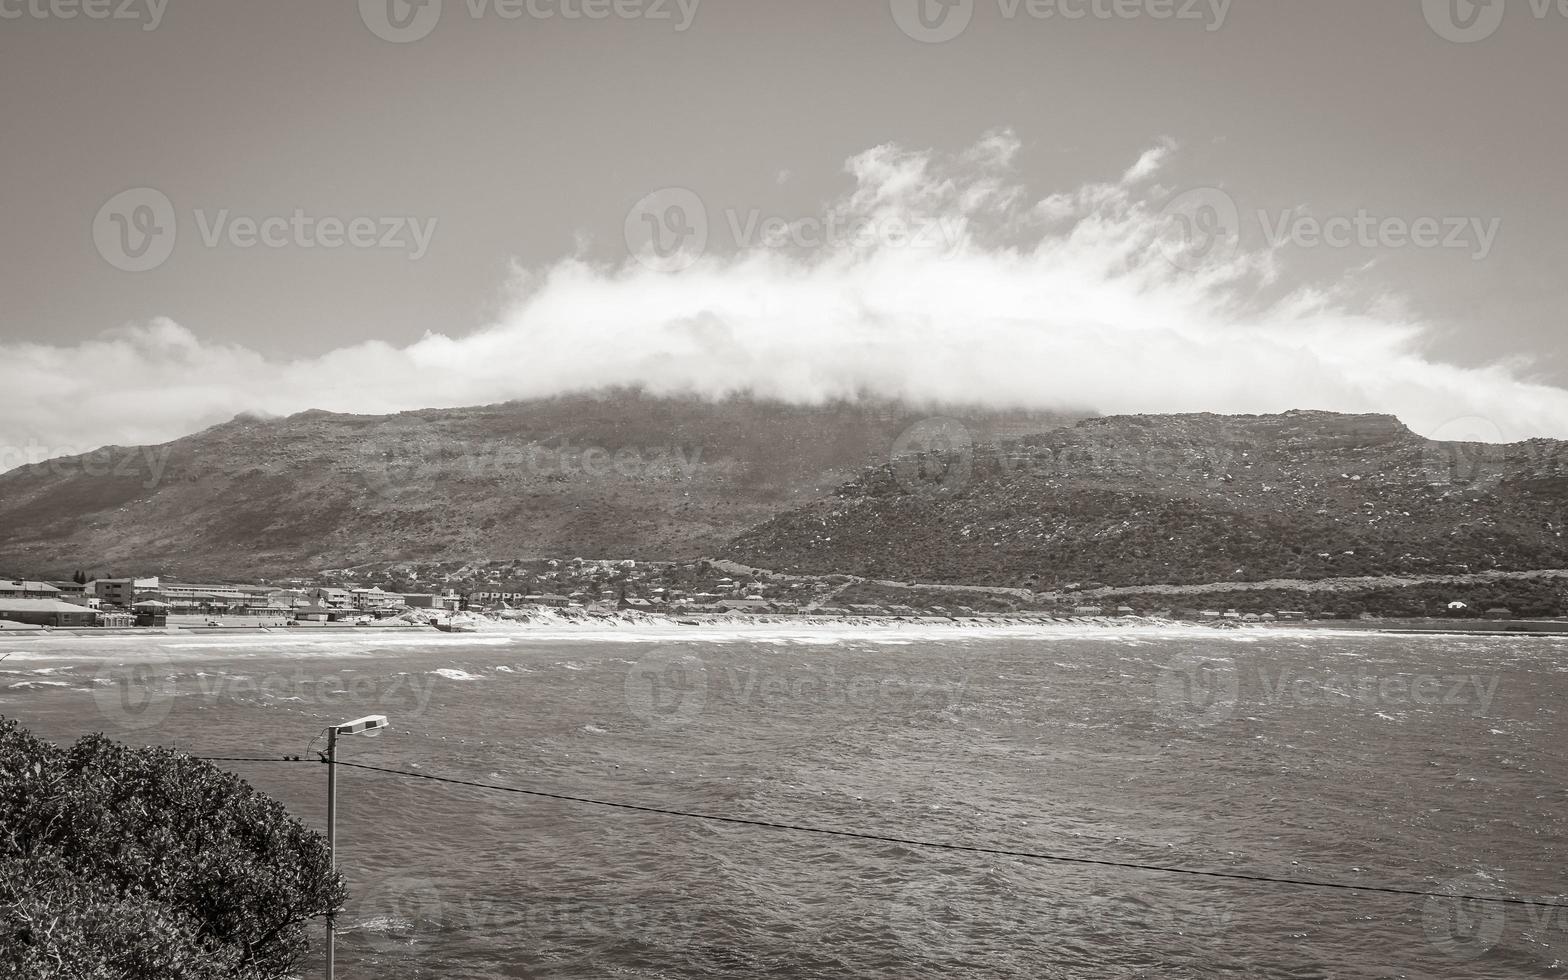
{"points": [[369, 726]]}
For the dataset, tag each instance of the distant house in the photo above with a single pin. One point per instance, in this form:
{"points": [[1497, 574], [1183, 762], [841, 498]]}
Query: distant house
{"points": [[416, 600], [744, 605], [332, 598], [1211, 614], [496, 595], [120, 592], [46, 612], [1088, 611], [374, 598], [1126, 611], [1292, 614], [28, 590], [1499, 612]]}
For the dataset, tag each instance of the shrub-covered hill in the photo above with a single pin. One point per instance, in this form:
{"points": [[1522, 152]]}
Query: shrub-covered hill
{"points": [[615, 474], [1188, 498]]}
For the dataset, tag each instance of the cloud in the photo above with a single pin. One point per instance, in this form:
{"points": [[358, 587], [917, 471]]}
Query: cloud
{"points": [[1149, 164], [934, 278]]}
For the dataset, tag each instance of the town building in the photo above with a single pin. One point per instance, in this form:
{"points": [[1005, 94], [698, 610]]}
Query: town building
{"points": [[28, 590], [448, 601], [548, 599], [192, 598], [495, 595], [46, 612], [374, 599], [118, 592]]}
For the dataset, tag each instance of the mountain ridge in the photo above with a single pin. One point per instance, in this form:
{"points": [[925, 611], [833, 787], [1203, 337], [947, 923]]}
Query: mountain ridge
{"points": [[617, 472], [1022, 499]]}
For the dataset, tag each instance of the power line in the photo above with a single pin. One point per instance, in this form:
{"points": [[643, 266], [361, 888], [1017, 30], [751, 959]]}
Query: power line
{"points": [[247, 758], [940, 845]]}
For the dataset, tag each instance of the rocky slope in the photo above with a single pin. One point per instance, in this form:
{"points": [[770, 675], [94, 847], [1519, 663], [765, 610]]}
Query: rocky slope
{"points": [[1174, 499], [617, 474]]}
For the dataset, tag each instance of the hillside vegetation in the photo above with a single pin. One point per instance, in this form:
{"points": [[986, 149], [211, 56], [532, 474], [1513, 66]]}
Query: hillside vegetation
{"points": [[617, 474], [1180, 499]]}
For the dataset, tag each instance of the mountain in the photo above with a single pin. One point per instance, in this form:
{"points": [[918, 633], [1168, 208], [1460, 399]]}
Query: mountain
{"points": [[615, 474], [875, 489], [1185, 499]]}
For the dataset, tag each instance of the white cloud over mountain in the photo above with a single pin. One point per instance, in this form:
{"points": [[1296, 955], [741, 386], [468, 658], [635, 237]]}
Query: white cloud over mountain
{"points": [[945, 281]]}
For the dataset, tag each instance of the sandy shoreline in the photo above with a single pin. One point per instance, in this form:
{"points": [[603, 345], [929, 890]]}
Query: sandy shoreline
{"points": [[640, 627]]}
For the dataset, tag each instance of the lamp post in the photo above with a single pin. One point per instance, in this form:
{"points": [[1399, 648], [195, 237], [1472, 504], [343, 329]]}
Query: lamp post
{"points": [[369, 726]]}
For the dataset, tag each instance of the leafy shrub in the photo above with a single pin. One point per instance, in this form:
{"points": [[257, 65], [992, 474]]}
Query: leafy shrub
{"points": [[147, 864]]}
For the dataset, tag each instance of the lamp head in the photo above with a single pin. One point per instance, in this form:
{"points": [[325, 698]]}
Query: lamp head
{"points": [[369, 725]]}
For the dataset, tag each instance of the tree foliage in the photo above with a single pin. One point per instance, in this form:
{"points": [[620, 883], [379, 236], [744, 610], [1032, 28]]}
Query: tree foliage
{"points": [[117, 862]]}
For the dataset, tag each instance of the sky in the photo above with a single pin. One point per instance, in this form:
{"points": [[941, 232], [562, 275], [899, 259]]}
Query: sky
{"points": [[1114, 205]]}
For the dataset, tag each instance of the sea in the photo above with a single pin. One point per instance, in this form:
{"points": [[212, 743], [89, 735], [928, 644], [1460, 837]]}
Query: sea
{"points": [[1071, 778]]}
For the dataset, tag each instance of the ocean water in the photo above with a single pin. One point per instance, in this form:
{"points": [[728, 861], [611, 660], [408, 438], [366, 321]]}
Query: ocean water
{"points": [[1434, 763]]}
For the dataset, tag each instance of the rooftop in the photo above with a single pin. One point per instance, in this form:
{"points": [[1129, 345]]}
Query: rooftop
{"points": [[9, 586], [41, 606]]}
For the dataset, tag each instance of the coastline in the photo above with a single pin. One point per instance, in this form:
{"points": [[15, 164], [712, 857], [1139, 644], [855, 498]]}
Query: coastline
{"points": [[644, 627]]}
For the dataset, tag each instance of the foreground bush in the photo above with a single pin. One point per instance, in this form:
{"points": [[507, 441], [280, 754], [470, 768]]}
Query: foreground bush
{"points": [[146, 864]]}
